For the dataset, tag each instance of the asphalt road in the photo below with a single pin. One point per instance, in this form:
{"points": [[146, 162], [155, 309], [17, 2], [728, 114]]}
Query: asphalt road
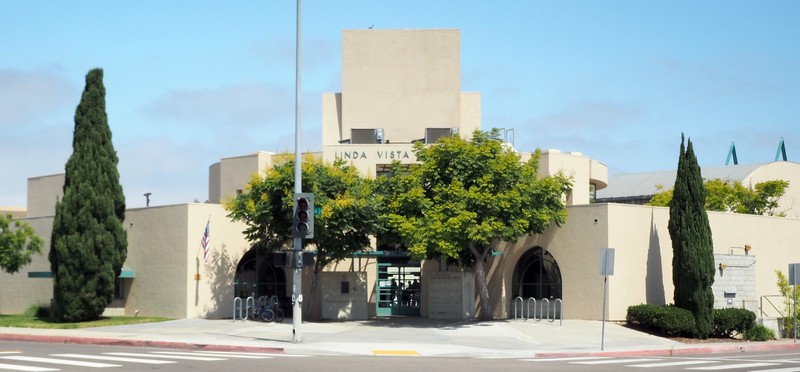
{"points": [[40, 357]]}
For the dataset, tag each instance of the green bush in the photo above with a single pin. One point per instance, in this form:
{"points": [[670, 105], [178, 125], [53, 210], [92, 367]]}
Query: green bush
{"points": [[37, 311], [666, 320], [732, 321], [759, 333]]}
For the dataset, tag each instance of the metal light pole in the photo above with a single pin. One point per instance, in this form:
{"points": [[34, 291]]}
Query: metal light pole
{"points": [[297, 282]]}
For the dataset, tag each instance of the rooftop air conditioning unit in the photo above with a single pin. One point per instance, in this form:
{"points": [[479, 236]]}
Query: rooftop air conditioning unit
{"points": [[433, 134], [366, 136]]}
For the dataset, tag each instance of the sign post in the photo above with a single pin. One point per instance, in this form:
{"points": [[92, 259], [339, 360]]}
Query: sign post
{"points": [[794, 280], [606, 269]]}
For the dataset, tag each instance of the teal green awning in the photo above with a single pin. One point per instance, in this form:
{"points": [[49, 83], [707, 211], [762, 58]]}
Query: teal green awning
{"points": [[127, 273], [124, 274]]}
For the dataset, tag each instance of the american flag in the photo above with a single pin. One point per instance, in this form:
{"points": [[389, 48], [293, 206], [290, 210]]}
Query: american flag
{"points": [[205, 240]]}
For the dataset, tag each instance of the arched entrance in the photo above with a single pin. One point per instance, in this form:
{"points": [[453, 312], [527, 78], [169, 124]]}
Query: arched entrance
{"points": [[537, 275], [256, 275]]}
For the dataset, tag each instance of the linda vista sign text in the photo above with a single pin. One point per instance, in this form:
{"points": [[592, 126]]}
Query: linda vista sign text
{"points": [[375, 154]]}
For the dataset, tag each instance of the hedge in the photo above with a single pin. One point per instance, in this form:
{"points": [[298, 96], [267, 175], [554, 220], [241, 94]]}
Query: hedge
{"points": [[673, 321]]}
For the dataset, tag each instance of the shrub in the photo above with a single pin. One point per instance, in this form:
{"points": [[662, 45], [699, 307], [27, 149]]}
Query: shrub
{"points": [[37, 311], [666, 320], [759, 333], [732, 321]]}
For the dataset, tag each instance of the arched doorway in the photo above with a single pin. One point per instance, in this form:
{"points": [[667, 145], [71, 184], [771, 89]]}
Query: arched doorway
{"points": [[256, 275], [537, 275]]}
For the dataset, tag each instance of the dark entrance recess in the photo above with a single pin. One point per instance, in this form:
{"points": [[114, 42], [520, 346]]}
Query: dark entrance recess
{"points": [[537, 275], [256, 275]]}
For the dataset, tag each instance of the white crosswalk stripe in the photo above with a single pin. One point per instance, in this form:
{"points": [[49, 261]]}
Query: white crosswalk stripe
{"points": [[616, 361], [96, 361], [114, 359], [732, 366], [183, 357], [674, 364], [570, 359], [225, 355], [14, 367], [60, 361], [271, 355], [790, 369]]}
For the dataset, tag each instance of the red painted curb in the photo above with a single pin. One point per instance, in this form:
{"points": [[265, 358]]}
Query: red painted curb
{"points": [[138, 343]]}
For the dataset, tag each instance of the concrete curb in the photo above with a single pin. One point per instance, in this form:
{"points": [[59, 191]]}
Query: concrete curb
{"points": [[717, 349], [138, 343]]}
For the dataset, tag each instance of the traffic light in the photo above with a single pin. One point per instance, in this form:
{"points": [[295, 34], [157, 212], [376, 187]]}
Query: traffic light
{"points": [[303, 217]]}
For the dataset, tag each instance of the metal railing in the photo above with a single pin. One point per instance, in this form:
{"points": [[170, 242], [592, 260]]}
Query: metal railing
{"points": [[761, 305], [528, 309]]}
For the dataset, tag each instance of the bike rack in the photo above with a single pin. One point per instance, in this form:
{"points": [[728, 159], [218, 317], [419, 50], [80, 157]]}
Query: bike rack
{"points": [[532, 305], [249, 304], [542, 314], [521, 306], [238, 301], [560, 311], [528, 310]]}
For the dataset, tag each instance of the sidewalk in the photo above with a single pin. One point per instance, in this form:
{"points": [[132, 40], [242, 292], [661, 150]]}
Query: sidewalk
{"points": [[393, 336]]}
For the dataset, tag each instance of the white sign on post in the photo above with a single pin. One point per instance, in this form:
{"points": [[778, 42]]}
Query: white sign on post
{"points": [[794, 274], [606, 269], [607, 261], [794, 281]]}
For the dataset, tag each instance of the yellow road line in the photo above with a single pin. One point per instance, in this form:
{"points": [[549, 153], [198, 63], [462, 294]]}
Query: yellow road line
{"points": [[396, 352]]}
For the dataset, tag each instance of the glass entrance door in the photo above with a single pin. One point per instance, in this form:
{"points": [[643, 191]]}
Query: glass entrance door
{"points": [[398, 289]]}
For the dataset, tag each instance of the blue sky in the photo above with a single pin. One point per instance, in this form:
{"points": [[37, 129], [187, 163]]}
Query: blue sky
{"points": [[190, 82]]}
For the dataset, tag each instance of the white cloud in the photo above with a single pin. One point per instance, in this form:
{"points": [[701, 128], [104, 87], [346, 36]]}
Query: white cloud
{"points": [[236, 105], [26, 96]]}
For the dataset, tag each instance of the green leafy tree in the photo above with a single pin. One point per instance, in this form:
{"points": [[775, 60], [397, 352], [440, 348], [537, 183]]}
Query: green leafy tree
{"points": [[732, 196], [18, 244], [692, 247], [464, 196], [790, 298], [89, 244], [347, 220]]}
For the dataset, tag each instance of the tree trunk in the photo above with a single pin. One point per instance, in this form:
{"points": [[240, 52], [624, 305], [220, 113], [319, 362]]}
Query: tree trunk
{"points": [[486, 311], [313, 295]]}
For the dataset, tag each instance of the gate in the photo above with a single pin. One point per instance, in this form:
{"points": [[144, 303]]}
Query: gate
{"points": [[398, 289]]}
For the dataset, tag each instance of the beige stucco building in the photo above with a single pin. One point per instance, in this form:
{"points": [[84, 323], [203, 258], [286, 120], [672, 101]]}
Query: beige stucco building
{"points": [[400, 87]]}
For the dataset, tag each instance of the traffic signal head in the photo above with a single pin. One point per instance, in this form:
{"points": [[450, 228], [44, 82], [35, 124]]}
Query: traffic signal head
{"points": [[303, 224]]}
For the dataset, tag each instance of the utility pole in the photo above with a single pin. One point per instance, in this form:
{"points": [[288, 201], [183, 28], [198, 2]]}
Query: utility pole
{"points": [[297, 281]]}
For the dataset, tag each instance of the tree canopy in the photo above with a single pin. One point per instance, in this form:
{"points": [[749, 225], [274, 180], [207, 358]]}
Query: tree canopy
{"points": [[18, 244], [466, 195], [733, 196], [692, 246], [89, 244], [347, 220]]}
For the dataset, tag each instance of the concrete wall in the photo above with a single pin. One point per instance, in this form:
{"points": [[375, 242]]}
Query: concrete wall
{"points": [[338, 305], [18, 291], [735, 281], [165, 254], [43, 192], [451, 295], [643, 264], [401, 80]]}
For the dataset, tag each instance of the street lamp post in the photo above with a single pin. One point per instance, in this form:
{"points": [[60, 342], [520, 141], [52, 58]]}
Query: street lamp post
{"points": [[297, 280]]}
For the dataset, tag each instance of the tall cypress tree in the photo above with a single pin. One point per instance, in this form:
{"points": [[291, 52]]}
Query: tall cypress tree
{"points": [[692, 246], [89, 244]]}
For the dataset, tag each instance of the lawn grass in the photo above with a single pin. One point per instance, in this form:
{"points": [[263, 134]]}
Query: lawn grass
{"points": [[29, 319]]}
